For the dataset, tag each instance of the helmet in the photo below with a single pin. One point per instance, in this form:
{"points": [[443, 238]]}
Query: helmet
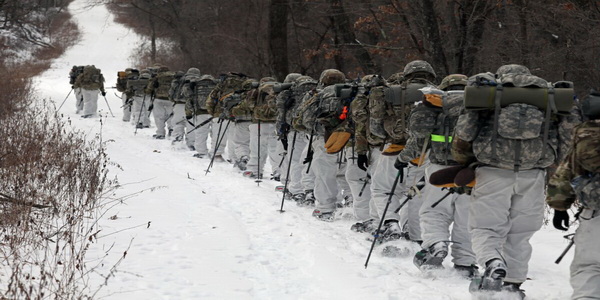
{"points": [[418, 66], [145, 74], [206, 77], [331, 76], [267, 79], [291, 77], [302, 79], [396, 78], [193, 71], [453, 79], [512, 69]]}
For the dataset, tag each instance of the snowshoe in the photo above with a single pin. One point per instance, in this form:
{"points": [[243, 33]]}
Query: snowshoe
{"points": [[199, 155], [390, 232], [492, 278], [366, 226], [139, 126], [86, 116], [514, 289], [468, 272], [280, 188], [276, 176], [309, 199], [323, 216], [432, 257], [395, 251], [158, 136]]}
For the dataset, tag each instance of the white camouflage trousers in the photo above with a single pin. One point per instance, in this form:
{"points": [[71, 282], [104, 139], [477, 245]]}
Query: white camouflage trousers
{"points": [[218, 133], [268, 148], [295, 179], [507, 208], [181, 125], [240, 140], [585, 268], [325, 168], [90, 101], [363, 208], [162, 111], [436, 221], [139, 110], [78, 100], [308, 175], [201, 134], [126, 108]]}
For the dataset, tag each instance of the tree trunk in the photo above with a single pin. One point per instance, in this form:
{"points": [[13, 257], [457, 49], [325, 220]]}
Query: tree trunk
{"points": [[432, 36], [345, 30], [278, 43]]}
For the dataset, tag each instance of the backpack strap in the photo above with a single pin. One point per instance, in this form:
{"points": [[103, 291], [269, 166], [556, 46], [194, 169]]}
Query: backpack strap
{"points": [[497, 108], [550, 107]]}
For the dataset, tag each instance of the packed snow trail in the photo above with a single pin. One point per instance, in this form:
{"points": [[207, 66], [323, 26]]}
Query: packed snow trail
{"points": [[221, 236]]}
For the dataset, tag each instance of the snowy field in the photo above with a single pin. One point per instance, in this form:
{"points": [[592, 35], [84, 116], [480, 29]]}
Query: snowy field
{"points": [[220, 236]]}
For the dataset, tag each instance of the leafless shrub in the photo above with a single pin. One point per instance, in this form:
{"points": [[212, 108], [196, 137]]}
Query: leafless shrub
{"points": [[51, 181]]}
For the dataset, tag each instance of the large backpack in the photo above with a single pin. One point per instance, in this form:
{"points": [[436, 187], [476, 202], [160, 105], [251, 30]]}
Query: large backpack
{"points": [[163, 84], [136, 86], [516, 133], [92, 78], [197, 91], [292, 98], [265, 108], [75, 72], [175, 91], [390, 108]]}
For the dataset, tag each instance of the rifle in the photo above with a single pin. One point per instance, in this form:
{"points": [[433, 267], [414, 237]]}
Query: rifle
{"points": [[412, 192], [310, 152], [151, 106], [201, 124], [287, 176]]}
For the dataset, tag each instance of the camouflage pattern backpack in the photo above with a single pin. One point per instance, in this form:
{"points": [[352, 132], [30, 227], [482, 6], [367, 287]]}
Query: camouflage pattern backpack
{"points": [[175, 91], [360, 116], [196, 92], [516, 136], [136, 87], [74, 73], [91, 78], [288, 101], [390, 108], [162, 84], [265, 108]]}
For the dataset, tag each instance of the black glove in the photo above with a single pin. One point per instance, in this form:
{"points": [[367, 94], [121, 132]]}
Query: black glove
{"points": [[284, 129], [309, 156], [363, 162], [400, 165], [189, 117], [103, 93], [284, 142], [560, 218]]}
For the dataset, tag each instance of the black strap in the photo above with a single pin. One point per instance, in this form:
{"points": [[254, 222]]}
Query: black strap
{"points": [[550, 107], [497, 107]]}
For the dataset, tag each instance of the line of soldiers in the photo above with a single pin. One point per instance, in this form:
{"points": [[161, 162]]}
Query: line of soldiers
{"points": [[458, 165]]}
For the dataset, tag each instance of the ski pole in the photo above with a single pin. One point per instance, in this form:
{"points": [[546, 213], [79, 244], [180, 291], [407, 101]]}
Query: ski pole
{"points": [[258, 181], [366, 180], [571, 243], [411, 194], [216, 146], [287, 176], [67, 97], [111, 113], [387, 205], [140, 115], [219, 141]]}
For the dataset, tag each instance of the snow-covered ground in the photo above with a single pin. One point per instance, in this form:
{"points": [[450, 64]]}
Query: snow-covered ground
{"points": [[220, 236]]}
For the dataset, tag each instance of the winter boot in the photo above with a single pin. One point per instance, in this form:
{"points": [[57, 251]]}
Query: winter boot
{"points": [[366, 226], [468, 272], [243, 162], [158, 136], [309, 199], [139, 126], [298, 197], [492, 278], [432, 257], [199, 155], [390, 231], [323, 216]]}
